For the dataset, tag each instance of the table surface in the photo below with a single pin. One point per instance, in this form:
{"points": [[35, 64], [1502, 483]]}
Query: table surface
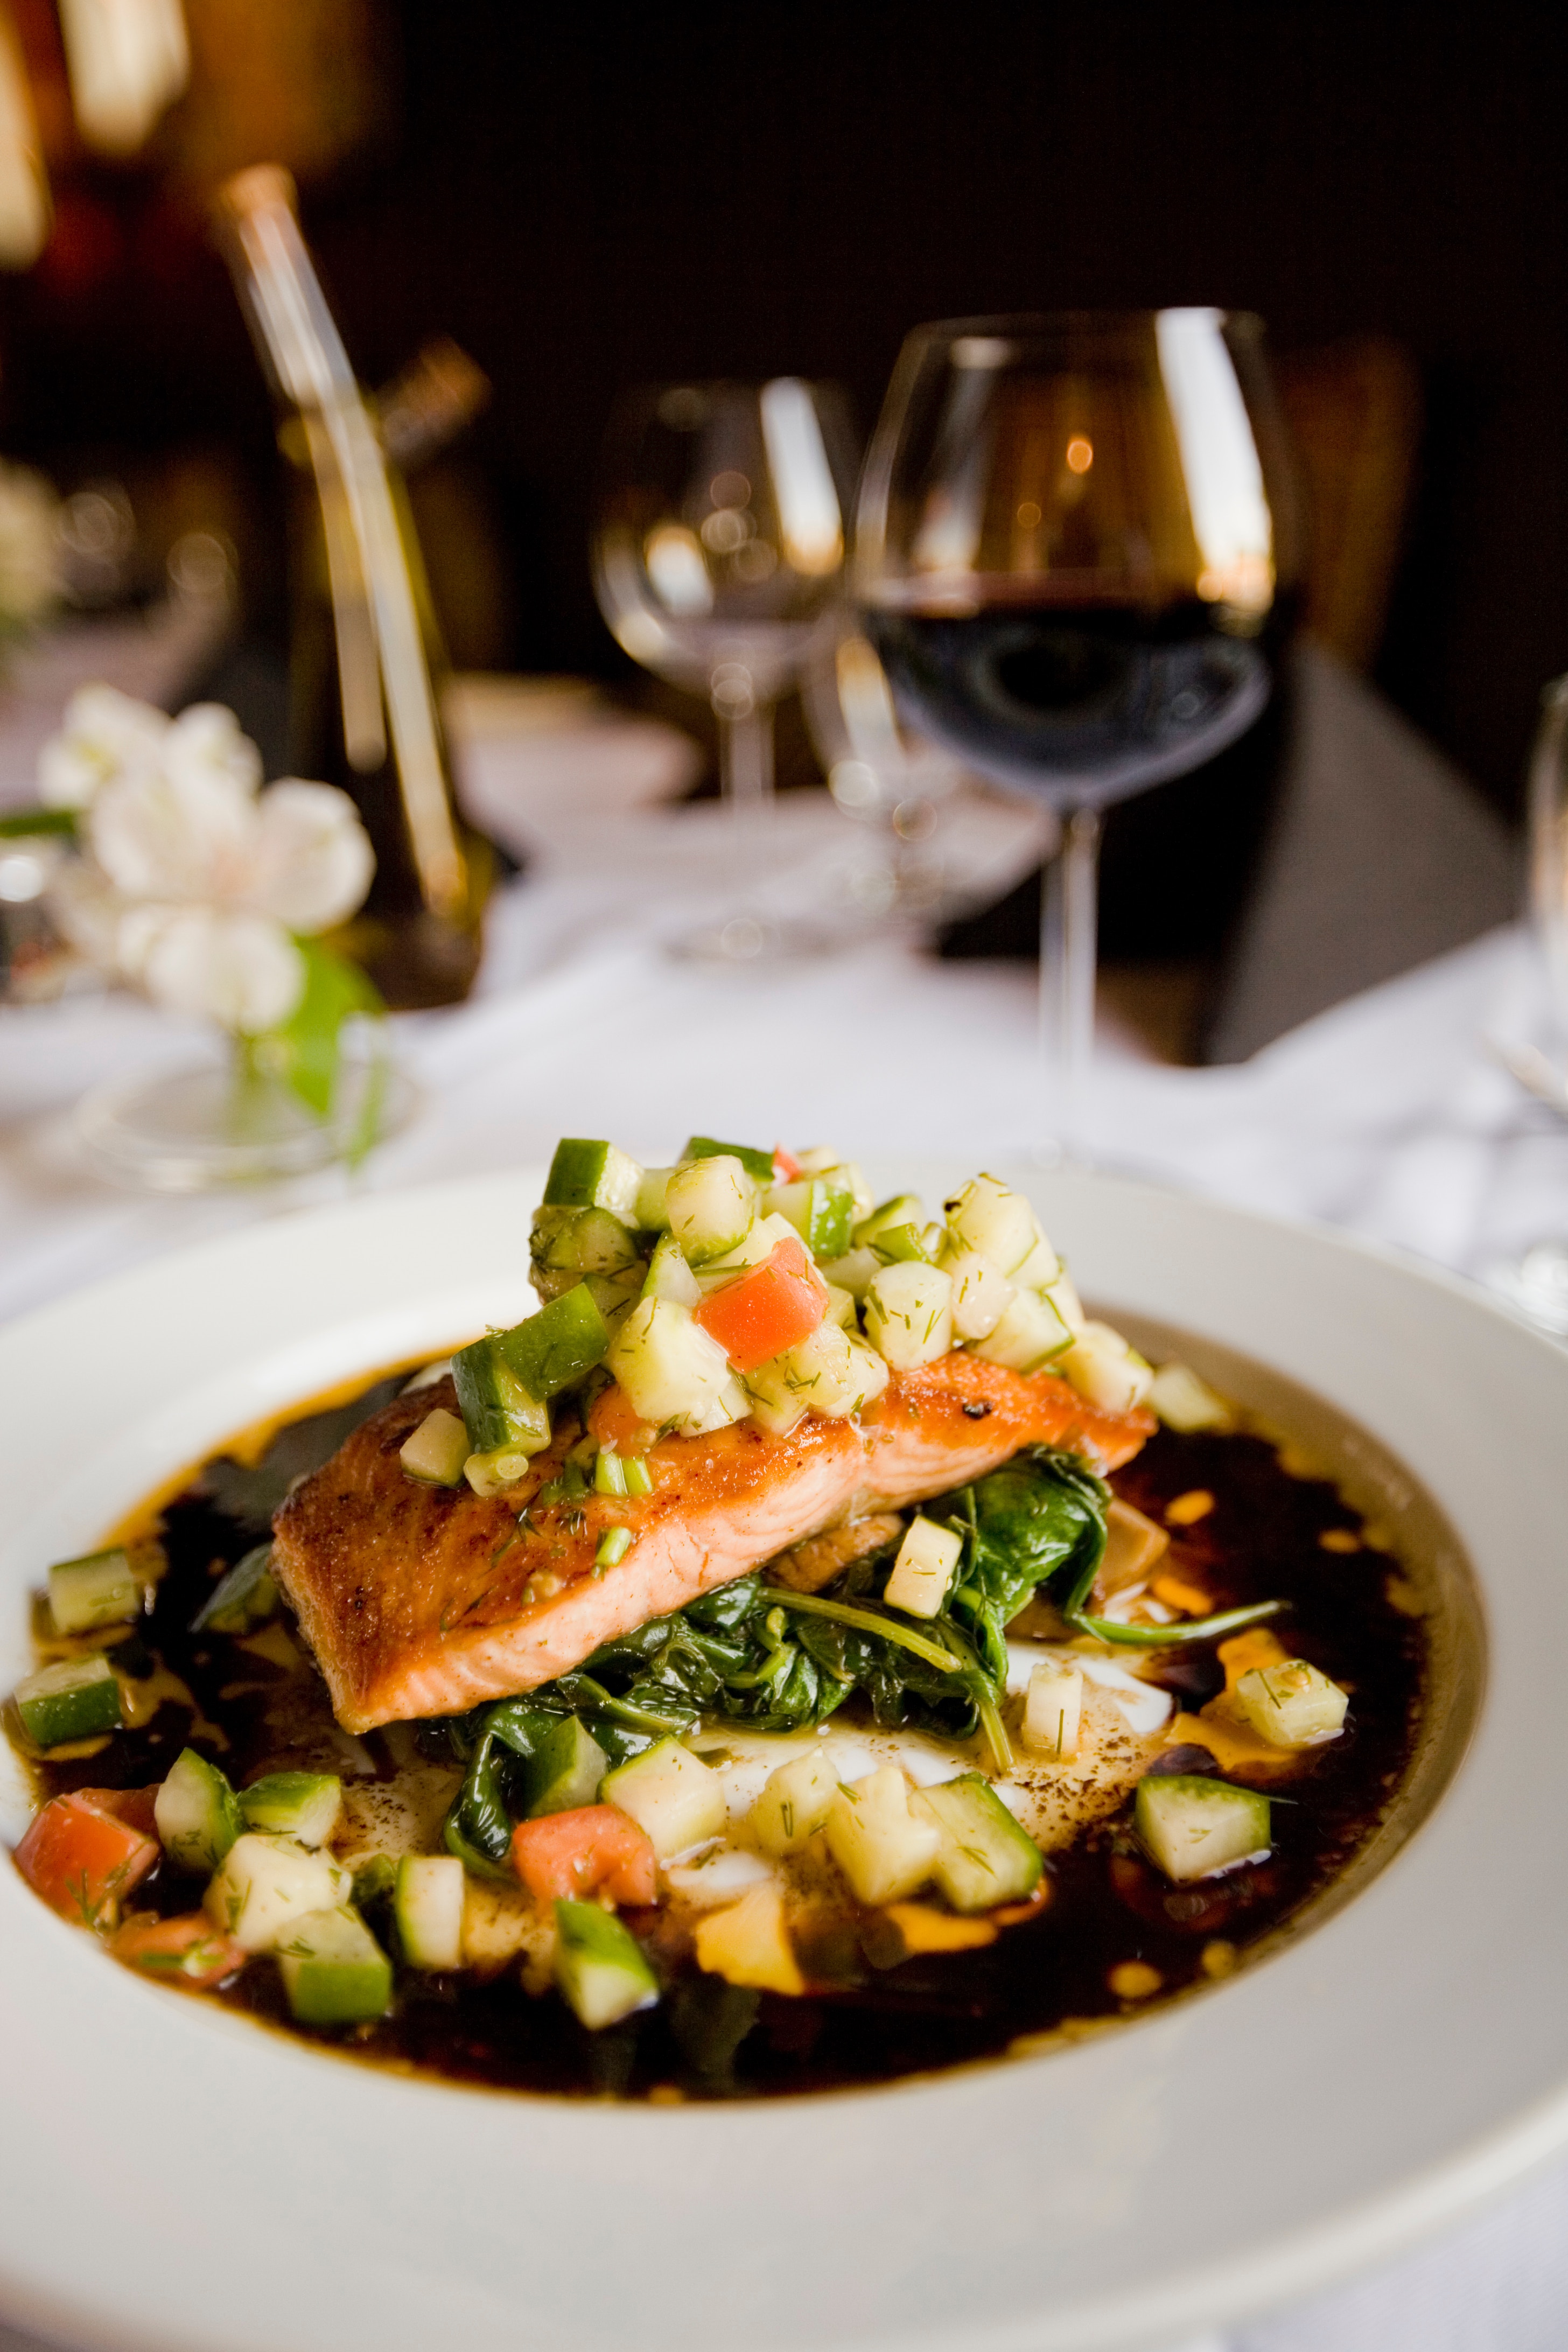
{"points": [[1386, 1116]]}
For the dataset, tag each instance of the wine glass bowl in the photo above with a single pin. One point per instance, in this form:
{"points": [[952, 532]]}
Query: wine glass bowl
{"points": [[1076, 548], [719, 555]]}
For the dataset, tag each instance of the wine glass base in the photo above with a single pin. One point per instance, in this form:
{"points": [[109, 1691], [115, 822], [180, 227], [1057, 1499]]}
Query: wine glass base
{"points": [[1536, 1285], [205, 1128]]}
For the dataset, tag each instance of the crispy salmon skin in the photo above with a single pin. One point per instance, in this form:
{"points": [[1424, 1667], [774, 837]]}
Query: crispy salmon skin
{"points": [[422, 1600]]}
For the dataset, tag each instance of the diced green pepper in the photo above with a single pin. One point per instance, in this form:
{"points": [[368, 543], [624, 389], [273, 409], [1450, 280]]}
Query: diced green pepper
{"points": [[566, 1770], [77, 1699], [97, 1590], [586, 1174], [758, 1165], [245, 1598]]}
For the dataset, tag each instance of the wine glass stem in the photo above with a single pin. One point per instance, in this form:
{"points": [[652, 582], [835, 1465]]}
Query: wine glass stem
{"points": [[1069, 926], [746, 764]]}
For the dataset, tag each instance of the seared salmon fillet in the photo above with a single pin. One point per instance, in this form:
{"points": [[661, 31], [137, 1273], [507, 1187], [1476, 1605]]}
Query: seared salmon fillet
{"points": [[422, 1600]]}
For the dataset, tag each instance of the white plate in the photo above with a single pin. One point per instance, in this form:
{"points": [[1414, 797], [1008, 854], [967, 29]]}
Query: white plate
{"points": [[172, 2176]]}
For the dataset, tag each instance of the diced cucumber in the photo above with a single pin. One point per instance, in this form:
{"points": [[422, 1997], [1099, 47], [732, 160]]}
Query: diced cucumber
{"points": [[909, 1315], [672, 1794], [1192, 1826], [569, 1246], [1063, 1297], [1028, 1333], [995, 1221], [793, 1804], [829, 1373], [565, 1770], [855, 1272], [600, 1969], [1186, 1403], [592, 1175], [650, 1209], [986, 1857], [197, 1813], [1041, 1267], [552, 1350], [670, 1277], [923, 1568], [245, 1598], [497, 1410], [77, 1699], [981, 1296], [671, 1370], [1103, 1367], [820, 1208], [1053, 1710], [98, 1589], [434, 1453], [823, 1160], [427, 1909], [1292, 1706], [711, 1204], [747, 1943], [902, 1209], [754, 1248], [266, 1884], [301, 1805], [334, 1972], [841, 1309], [758, 1165], [884, 1849]]}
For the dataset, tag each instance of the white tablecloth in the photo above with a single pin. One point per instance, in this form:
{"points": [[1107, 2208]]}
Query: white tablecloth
{"points": [[1385, 1116]]}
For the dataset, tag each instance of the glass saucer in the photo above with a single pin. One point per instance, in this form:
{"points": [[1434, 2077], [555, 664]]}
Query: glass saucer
{"points": [[221, 1122]]}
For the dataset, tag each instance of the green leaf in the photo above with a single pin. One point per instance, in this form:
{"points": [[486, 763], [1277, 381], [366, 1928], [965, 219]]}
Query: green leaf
{"points": [[26, 825], [306, 1051]]}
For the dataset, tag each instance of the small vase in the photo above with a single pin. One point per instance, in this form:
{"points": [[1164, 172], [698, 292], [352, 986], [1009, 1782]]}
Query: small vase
{"points": [[229, 1120]]}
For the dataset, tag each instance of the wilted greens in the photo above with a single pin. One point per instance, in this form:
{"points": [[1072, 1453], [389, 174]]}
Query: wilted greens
{"points": [[772, 1660]]}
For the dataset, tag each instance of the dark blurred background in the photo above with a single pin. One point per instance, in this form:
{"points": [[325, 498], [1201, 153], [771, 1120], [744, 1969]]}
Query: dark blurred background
{"points": [[587, 197]]}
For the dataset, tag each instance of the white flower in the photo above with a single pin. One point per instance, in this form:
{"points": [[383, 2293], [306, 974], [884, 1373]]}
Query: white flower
{"points": [[196, 882], [107, 734], [216, 963]]}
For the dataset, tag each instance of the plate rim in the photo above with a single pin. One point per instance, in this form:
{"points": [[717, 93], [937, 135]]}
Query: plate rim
{"points": [[1291, 2263]]}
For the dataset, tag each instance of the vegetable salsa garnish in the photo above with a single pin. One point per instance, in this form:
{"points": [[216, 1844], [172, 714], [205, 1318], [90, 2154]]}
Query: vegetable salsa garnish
{"points": [[915, 1768]]}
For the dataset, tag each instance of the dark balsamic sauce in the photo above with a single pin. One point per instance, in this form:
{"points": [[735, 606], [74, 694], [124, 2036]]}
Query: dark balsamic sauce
{"points": [[875, 2023]]}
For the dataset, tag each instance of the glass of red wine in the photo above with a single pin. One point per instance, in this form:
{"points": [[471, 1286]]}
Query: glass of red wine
{"points": [[1075, 552]]}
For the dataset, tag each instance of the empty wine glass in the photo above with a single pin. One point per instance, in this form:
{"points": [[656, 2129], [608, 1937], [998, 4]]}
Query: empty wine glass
{"points": [[1074, 554], [718, 561], [883, 776]]}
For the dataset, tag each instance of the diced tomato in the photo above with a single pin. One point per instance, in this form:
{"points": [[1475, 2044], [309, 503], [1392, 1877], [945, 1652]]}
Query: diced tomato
{"points": [[786, 1167], [185, 1951], [777, 1304], [83, 1858], [566, 1855]]}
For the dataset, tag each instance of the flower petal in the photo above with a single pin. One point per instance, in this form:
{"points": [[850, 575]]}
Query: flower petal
{"points": [[205, 742], [106, 735], [313, 860], [217, 965], [191, 835]]}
